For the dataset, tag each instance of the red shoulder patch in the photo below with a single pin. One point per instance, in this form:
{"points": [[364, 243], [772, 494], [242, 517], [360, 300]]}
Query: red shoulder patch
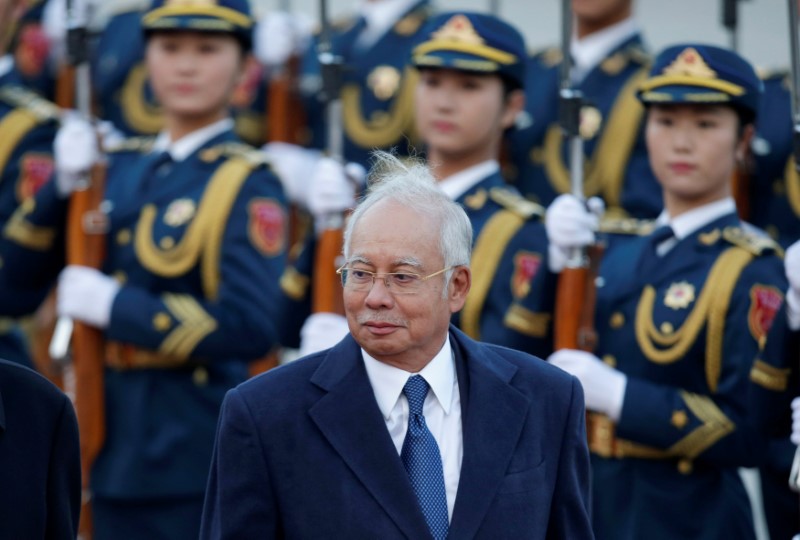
{"points": [[765, 301], [267, 226], [526, 265], [34, 170]]}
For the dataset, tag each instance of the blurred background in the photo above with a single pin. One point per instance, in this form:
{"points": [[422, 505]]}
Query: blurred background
{"points": [[763, 29]]}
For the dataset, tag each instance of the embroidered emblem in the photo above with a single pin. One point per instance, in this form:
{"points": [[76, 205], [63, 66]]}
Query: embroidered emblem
{"points": [[476, 200], [689, 62], [179, 212], [591, 120], [710, 237], [267, 226], [765, 301], [679, 295], [32, 50], [409, 24], [526, 265], [458, 28], [384, 82], [614, 64], [35, 170]]}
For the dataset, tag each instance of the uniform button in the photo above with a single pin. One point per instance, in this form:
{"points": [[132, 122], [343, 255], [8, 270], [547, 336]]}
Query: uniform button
{"points": [[617, 320], [121, 277], [124, 237], [667, 328], [167, 242], [679, 419], [685, 466], [162, 322], [200, 376], [609, 360]]}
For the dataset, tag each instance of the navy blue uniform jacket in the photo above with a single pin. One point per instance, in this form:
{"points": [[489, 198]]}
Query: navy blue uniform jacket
{"points": [[40, 469], [303, 452]]}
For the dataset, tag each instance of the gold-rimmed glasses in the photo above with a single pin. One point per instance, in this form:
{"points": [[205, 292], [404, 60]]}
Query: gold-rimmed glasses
{"points": [[359, 280]]}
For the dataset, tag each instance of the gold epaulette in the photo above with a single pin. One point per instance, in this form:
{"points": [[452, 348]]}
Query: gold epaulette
{"points": [[22, 98], [132, 144], [551, 56], [409, 24], [637, 53], [752, 241], [768, 74], [631, 226], [515, 203], [232, 149]]}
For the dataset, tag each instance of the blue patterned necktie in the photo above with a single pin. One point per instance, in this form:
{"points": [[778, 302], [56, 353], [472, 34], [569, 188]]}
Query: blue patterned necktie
{"points": [[423, 462]]}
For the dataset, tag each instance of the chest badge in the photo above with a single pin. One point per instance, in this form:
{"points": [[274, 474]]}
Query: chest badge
{"points": [[384, 82], [679, 295], [179, 212]]}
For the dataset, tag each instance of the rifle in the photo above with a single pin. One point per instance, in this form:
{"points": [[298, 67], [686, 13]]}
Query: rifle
{"points": [[740, 183], [575, 293], [285, 117], [85, 245], [327, 295], [794, 45]]}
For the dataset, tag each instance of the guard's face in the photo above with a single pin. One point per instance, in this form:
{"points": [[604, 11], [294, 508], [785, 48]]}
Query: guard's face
{"points": [[460, 114], [403, 330], [693, 151], [193, 74]]}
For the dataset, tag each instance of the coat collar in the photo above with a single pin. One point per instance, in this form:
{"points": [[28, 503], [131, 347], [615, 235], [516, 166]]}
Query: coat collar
{"points": [[484, 380]]}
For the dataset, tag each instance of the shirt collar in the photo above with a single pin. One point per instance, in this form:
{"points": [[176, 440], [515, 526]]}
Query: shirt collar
{"points": [[388, 381], [382, 15], [589, 51], [457, 184], [188, 144], [693, 220], [6, 64]]}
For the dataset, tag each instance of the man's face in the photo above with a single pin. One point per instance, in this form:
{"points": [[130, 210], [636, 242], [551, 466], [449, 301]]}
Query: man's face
{"points": [[403, 330]]}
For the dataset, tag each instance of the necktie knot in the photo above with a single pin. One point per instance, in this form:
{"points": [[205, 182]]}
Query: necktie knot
{"points": [[416, 389]]}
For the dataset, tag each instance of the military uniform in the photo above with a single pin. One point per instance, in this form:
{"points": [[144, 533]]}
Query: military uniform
{"points": [[617, 168], [28, 123], [685, 330], [377, 89], [774, 192]]}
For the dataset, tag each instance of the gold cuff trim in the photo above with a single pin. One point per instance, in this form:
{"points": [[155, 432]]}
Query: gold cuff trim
{"points": [[689, 80], [770, 377], [527, 322], [715, 426], [122, 356], [24, 233], [194, 325]]}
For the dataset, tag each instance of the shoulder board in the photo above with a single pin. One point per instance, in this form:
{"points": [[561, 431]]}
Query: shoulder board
{"points": [[515, 203], [629, 226], [132, 144], [409, 24], [751, 240], [551, 56], [235, 150], [771, 74], [636, 52], [22, 98]]}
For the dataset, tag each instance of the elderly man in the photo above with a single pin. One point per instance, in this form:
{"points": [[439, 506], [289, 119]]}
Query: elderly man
{"points": [[406, 428]]}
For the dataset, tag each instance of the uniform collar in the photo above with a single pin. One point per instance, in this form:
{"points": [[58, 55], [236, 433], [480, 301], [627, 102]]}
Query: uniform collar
{"points": [[380, 16], [457, 184], [6, 64], [693, 220], [388, 381], [592, 49], [187, 145]]}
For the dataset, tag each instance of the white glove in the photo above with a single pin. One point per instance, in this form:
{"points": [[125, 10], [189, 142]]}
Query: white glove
{"points": [[322, 331], [86, 295], [791, 262], [109, 134], [603, 386], [294, 166], [796, 421], [570, 224], [333, 188], [75, 151], [278, 35]]}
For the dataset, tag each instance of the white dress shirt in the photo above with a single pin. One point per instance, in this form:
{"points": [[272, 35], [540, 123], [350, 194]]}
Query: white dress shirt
{"points": [[188, 144], [442, 409], [459, 183], [688, 222]]}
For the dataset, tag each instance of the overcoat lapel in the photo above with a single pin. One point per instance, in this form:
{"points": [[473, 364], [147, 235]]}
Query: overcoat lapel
{"points": [[492, 415], [349, 418]]}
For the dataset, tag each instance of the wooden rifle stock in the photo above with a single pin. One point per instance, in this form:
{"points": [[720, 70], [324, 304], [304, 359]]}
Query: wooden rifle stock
{"points": [[327, 288], [285, 115], [575, 304], [740, 187]]}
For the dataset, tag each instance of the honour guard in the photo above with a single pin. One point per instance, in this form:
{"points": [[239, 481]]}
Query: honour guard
{"points": [[682, 311], [609, 62], [187, 295], [471, 72]]}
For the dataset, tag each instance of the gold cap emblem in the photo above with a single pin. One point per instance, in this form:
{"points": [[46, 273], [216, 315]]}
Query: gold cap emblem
{"points": [[690, 63], [458, 28]]}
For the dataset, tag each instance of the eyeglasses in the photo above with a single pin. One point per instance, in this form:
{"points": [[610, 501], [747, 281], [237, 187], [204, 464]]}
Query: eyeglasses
{"points": [[356, 279]]}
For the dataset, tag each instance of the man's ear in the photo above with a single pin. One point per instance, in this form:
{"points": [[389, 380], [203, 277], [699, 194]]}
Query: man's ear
{"points": [[458, 287], [515, 104]]}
